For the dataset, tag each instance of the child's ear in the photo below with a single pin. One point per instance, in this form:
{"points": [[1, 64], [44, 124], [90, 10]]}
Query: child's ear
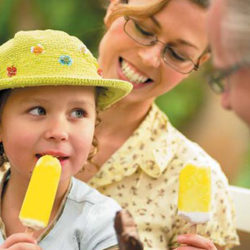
{"points": [[204, 58], [109, 10]]}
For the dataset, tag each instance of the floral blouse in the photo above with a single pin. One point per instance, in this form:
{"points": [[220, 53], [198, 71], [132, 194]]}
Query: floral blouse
{"points": [[143, 177]]}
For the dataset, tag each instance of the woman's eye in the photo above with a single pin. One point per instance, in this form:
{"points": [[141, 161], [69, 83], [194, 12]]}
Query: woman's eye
{"points": [[177, 55], [38, 111], [174, 54], [78, 113], [141, 30]]}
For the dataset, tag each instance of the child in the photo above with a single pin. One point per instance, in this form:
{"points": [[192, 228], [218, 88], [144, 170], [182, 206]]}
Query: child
{"points": [[50, 91]]}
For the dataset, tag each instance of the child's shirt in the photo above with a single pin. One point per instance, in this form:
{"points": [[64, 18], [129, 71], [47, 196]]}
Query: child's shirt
{"points": [[143, 176], [86, 221]]}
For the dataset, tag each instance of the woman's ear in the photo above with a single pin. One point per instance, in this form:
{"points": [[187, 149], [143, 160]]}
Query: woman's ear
{"points": [[204, 57], [109, 10]]}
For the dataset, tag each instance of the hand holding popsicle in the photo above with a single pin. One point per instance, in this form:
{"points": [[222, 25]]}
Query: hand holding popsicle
{"points": [[194, 204], [41, 192]]}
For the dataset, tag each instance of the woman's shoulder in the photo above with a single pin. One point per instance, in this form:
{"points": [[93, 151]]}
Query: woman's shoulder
{"points": [[187, 151]]}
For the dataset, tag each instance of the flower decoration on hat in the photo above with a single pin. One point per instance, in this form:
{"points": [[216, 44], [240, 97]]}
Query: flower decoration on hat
{"points": [[38, 49], [65, 60], [11, 71], [100, 72]]}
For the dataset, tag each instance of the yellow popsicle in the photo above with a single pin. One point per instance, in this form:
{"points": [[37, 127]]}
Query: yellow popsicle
{"points": [[194, 199], [41, 192]]}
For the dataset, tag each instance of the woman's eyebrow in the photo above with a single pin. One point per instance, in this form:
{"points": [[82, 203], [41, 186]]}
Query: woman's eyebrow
{"points": [[186, 43], [179, 41], [158, 25]]}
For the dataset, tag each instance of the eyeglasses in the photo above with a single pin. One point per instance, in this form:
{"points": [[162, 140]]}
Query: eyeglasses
{"points": [[170, 55], [219, 78]]}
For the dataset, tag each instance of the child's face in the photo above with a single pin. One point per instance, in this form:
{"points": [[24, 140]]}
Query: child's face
{"points": [[58, 121]]}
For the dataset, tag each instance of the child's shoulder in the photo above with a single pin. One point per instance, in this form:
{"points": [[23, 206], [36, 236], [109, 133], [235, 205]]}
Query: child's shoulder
{"points": [[83, 193], [91, 208]]}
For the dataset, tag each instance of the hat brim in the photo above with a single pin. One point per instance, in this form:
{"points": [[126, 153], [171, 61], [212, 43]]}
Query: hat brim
{"points": [[112, 90]]}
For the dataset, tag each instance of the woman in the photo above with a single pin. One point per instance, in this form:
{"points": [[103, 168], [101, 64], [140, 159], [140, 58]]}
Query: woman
{"points": [[154, 45]]}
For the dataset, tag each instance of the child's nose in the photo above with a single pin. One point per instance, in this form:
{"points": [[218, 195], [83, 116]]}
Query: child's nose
{"points": [[57, 131], [151, 56]]}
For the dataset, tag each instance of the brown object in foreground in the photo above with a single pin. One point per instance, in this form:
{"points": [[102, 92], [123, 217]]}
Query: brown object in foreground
{"points": [[126, 231]]}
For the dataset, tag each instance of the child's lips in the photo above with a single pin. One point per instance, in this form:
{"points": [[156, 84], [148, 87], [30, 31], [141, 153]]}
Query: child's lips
{"points": [[61, 157]]}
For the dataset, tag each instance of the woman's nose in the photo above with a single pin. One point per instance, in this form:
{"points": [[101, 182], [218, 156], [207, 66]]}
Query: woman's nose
{"points": [[151, 55], [57, 130]]}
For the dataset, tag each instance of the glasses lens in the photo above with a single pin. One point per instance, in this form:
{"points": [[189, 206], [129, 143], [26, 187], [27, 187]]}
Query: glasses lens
{"points": [[138, 33], [217, 86], [177, 60]]}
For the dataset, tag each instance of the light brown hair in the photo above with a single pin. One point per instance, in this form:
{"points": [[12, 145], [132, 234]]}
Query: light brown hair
{"points": [[123, 8]]}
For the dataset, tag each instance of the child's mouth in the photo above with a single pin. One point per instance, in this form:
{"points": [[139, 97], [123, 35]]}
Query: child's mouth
{"points": [[60, 158]]}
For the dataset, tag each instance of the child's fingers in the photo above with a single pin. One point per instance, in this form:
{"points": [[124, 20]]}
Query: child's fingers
{"points": [[196, 241], [24, 246], [17, 238]]}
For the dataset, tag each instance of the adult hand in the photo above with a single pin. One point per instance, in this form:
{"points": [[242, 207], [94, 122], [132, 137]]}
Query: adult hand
{"points": [[20, 241], [194, 242]]}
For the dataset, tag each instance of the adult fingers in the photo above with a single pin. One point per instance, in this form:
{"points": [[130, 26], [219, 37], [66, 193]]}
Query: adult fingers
{"points": [[188, 248], [197, 241]]}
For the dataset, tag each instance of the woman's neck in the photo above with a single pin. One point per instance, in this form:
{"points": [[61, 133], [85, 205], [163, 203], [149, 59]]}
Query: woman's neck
{"points": [[122, 119]]}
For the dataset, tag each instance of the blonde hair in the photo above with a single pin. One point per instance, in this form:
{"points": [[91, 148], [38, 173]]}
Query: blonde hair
{"points": [[144, 10]]}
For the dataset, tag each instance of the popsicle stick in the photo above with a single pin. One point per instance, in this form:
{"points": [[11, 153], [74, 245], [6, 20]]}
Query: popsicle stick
{"points": [[193, 229], [29, 231]]}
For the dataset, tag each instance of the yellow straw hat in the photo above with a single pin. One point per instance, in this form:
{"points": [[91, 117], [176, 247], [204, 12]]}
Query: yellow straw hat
{"points": [[54, 58]]}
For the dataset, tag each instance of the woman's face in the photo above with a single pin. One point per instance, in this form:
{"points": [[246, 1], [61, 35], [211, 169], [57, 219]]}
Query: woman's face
{"points": [[181, 24]]}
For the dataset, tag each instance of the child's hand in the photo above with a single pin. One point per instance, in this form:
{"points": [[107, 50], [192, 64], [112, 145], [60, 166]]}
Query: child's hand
{"points": [[194, 242], [20, 241]]}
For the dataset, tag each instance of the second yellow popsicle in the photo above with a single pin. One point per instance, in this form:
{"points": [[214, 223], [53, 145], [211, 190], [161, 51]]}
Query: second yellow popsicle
{"points": [[194, 198]]}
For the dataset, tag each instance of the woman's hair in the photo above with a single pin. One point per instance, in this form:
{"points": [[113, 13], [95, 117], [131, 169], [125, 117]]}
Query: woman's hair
{"points": [[235, 31], [123, 8]]}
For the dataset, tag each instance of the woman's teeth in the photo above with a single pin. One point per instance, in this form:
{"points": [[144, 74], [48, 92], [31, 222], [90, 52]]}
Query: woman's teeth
{"points": [[132, 76]]}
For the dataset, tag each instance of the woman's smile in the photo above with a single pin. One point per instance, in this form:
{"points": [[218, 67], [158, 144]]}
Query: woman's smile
{"points": [[129, 72]]}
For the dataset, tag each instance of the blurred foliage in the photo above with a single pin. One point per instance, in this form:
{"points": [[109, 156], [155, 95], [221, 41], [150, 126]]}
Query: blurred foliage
{"points": [[243, 178], [81, 18], [184, 101]]}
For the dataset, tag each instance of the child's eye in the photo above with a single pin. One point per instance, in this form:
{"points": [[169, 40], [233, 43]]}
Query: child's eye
{"points": [[37, 111], [78, 113]]}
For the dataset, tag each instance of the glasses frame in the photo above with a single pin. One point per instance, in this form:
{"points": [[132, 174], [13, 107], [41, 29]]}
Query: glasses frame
{"points": [[216, 82], [166, 46]]}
